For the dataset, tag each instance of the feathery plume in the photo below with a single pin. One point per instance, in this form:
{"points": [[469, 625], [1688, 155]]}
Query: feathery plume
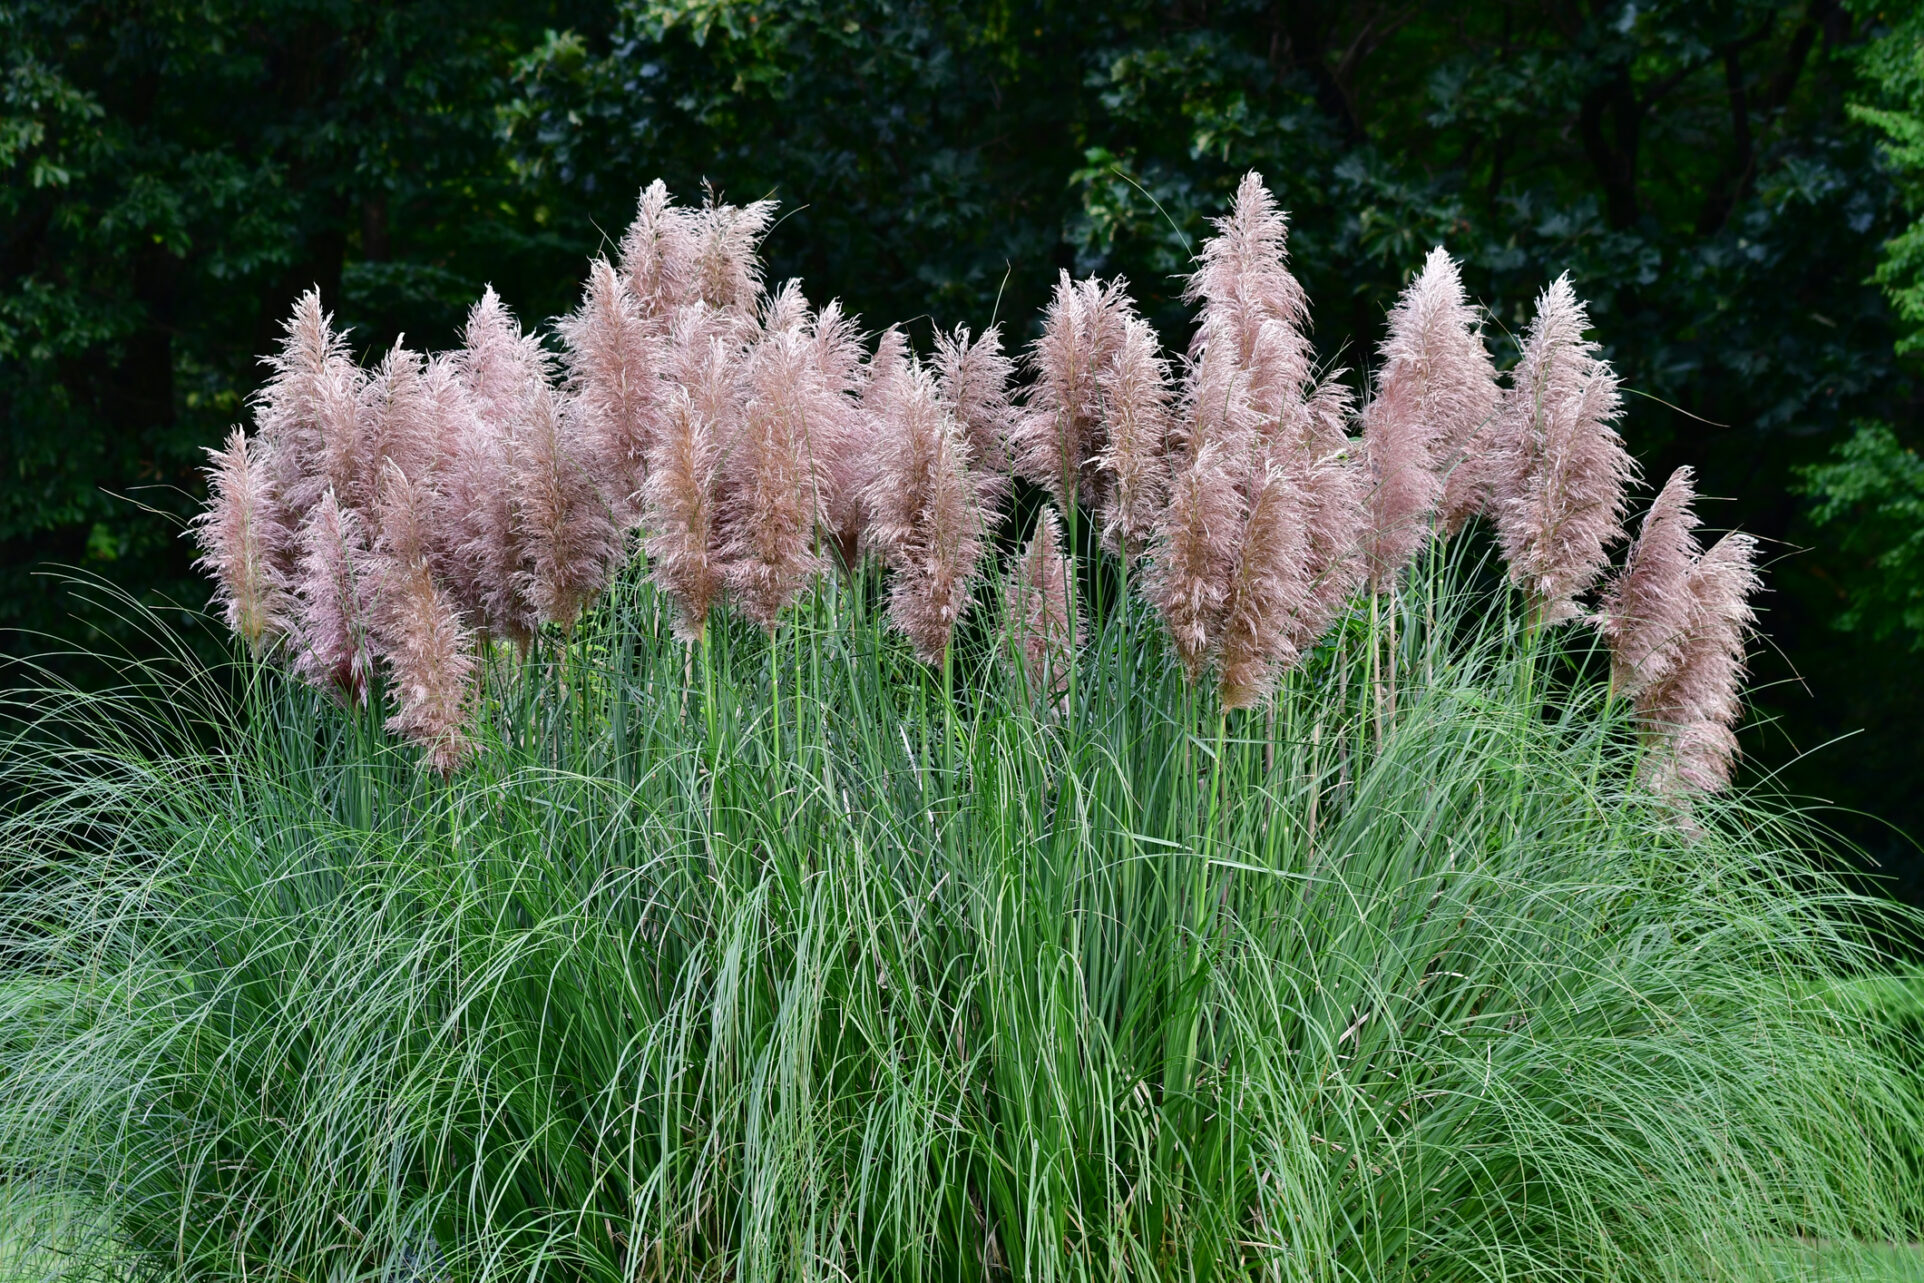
{"points": [[786, 309], [1046, 631], [1056, 441], [682, 494], [613, 358], [1562, 469], [243, 542], [973, 378], [1693, 711], [1268, 591], [925, 514], [852, 466], [657, 255], [683, 552], [1645, 609], [1436, 387], [1252, 305], [331, 618], [727, 271], [838, 429], [1134, 460], [569, 538], [769, 486], [305, 415], [1336, 511], [393, 423], [1195, 554], [417, 630], [501, 369]]}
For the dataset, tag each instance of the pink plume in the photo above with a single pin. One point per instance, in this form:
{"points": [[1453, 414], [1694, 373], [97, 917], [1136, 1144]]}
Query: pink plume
{"points": [[1561, 467], [880, 383], [395, 423], [1268, 591], [568, 537], [244, 541], [973, 379], [417, 630], [1336, 511], [502, 370], [1436, 387], [1195, 554], [925, 514], [1252, 305], [769, 490], [727, 272], [1693, 711], [1045, 629], [658, 255], [1057, 439], [614, 357], [1136, 427], [309, 401], [331, 615], [1645, 610]]}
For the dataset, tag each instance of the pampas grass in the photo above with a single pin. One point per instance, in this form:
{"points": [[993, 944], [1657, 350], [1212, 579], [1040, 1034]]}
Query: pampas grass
{"points": [[1108, 985]]}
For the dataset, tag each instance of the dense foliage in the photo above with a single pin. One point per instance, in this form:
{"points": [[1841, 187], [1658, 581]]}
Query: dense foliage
{"points": [[176, 176], [809, 966]]}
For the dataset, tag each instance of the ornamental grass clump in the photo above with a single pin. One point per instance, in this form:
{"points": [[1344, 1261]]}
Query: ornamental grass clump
{"points": [[1148, 854]]}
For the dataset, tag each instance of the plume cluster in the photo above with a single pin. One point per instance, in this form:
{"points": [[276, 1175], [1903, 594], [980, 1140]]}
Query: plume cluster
{"points": [[1558, 469], [1435, 389], [410, 517], [1676, 620], [1259, 545]]}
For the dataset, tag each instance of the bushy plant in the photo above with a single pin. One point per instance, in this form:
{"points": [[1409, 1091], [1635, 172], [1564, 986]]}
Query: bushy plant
{"points": [[1239, 882]]}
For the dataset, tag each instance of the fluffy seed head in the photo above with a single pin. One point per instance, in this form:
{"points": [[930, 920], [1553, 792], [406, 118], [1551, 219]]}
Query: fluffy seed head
{"points": [[243, 542], [925, 515], [1268, 590], [1435, 388], [417, 631], [614, 356], [395, 423], [770, 486], [1195, 554], [330, 625], [308, 403], [569, 538], [1692, 712], [1252, 305], [1044, 627], [973, 378], [1645, 610], [727, 271], [658, 255], [1561, 468], [1056, 441], [1134, 460]]}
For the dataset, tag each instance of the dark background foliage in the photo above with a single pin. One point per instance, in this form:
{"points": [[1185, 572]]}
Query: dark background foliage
{"points": [[175, 174]]}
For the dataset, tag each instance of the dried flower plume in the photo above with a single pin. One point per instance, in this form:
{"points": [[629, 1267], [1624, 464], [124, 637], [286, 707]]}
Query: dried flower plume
{"points": [[331, 611], [1692, 712], [613, 361], [1645, 611], [1435, 388], [1561, 467], [243, 542], [418, 632], [925, 513]]}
